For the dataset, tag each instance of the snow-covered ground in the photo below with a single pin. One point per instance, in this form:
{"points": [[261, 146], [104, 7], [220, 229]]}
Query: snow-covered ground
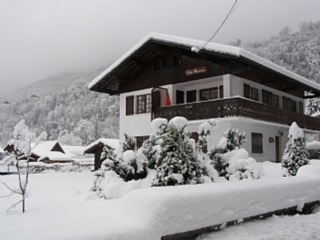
{"points": [[60, 206]]}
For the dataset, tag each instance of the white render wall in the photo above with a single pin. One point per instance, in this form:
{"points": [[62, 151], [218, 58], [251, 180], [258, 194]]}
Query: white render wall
{"points": [[137, 124], [268, 130]]}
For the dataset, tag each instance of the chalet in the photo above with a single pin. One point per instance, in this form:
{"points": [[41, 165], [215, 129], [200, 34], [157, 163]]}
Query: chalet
{"points": [[167, 76], [97, 147], [44, 148]]}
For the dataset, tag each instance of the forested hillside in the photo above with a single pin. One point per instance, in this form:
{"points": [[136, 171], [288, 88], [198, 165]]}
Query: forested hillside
{"points": [[73, 114], [77, 116], [298, 51]]}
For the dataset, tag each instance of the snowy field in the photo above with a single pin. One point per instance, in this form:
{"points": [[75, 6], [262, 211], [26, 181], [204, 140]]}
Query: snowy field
{"points": [[60, 206]]}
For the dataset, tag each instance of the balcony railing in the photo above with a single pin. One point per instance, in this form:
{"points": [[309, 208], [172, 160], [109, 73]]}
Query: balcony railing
{"points": [[237, 107]]}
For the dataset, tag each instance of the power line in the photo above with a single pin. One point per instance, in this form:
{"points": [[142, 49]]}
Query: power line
{"points": [[232, 9]]}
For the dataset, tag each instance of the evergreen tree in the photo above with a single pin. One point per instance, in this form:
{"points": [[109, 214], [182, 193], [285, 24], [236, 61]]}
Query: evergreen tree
{"points": [[128, 144], [231, 140], [177, 162], [295, 154], [313, 106]]}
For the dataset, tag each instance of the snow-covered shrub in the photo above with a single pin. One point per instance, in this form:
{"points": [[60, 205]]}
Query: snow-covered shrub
{"points": [[150, 148], [241, 166], [129, 143], [231, 140], [295, 154], [177, 162], [205, 131]]}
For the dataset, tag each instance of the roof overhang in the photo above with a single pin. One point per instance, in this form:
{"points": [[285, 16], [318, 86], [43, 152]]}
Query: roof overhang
{"points": [[132, 61]]}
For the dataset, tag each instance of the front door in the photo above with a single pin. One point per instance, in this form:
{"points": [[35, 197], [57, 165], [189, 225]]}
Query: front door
{"points": [[277, 149]]}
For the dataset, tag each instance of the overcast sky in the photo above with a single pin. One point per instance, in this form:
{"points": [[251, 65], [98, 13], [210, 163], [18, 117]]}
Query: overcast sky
{"points": [[39, 38]]}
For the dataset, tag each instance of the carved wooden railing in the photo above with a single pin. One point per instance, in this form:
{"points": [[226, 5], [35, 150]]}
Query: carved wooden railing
{"points": [[237, 107]]}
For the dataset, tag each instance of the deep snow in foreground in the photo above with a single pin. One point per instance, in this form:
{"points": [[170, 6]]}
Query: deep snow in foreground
{"points": [[61, 207], [297, 227]]}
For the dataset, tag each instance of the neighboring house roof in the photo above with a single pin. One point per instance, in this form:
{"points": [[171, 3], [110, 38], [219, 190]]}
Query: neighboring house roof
{"points": [[45, 147], [75, 151], [113, 143], [102, 83], [56, 156], [17, 145]]}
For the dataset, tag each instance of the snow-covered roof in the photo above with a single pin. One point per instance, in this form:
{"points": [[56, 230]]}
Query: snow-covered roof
{"points": [[56, 156], [111, 142], [43, 148], [195, 46], [1, 149], [74, 150]]}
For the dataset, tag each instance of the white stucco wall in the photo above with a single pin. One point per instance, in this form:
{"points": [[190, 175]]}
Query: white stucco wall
{"points": [[137, 124]]}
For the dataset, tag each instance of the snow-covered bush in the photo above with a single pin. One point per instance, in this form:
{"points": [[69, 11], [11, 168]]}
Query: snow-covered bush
{"points": [[241, 166], [295, 154], [150, 148], [126, 164], [177, 162], [129, 143], [231, 140]]}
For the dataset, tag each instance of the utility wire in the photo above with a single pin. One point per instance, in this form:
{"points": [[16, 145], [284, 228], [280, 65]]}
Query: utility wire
{"points": [[223, 22]]}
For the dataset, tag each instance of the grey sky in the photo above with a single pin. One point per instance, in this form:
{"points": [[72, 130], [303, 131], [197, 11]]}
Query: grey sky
{"points": [[39, 38]]}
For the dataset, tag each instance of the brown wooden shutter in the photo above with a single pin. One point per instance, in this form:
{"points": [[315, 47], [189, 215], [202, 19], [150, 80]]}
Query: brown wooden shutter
{"points": [[246, 90], [129, 105]]}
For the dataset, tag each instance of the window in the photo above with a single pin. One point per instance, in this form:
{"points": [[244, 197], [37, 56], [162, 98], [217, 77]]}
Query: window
{"points": [[275, 101], [144, 103], [129, 105], [209, 93], [191, 96], [140, 140], [267, 97], [256, 143], [300, 110], [289, 104], [221, 91], [250, 92]]}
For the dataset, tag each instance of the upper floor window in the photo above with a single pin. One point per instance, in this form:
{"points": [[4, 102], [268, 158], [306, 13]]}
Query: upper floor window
{"points": [[250, 92], [209, 93], [143, 103], [270, 99], [289, 104]]}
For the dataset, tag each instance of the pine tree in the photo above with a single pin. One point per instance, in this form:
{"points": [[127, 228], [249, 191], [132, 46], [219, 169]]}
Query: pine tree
{"points": [[295, 154], [177, 162]]}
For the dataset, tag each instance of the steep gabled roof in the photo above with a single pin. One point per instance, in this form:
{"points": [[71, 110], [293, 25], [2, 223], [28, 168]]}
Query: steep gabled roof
{"points": [[105, 81], [113, 143], [45, 147]]}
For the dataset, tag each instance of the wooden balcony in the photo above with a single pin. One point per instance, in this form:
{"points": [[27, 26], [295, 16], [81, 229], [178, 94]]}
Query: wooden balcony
{"points": [[235, 107]]}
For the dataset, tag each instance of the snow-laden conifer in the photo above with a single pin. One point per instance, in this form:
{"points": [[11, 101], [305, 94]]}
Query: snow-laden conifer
{"points": [[177, 162], [295, 154]]}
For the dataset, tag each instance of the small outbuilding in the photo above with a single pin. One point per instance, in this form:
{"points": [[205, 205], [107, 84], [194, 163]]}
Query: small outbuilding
{"points": [[45, 148], [55, 157], [97, 147]]}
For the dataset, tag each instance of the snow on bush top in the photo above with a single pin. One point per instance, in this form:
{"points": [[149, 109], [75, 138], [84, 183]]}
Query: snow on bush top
{"points": [[313, 145], [295, 131], [180, 123], [159, 124], [128, 156], [309, 170]]}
